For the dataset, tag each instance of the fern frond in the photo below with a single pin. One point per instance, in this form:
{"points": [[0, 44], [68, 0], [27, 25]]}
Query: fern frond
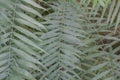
{"points": [[65, 33], [18, 43]]}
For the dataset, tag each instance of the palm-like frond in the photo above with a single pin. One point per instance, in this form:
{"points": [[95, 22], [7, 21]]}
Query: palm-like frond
{"points": [[75, 41], [65, 34], [100, 58], [18, 43]]}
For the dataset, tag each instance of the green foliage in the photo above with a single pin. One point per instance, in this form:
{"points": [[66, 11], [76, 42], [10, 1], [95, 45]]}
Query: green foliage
{"points": [[18, 42], [74, 40]]}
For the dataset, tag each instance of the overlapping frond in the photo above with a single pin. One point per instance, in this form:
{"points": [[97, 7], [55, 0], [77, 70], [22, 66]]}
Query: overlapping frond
{"points": [[65, 34], [19, 50], [100, 58], [77, 40]]}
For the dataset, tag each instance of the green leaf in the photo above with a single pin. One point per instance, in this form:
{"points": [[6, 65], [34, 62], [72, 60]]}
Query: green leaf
{"points": [[102, 3], [29, 9], [27, 32], [31, 2], [32, 20], [28, 41], [98, 76], [3, 75], [24, 73], [27, 57], [97, 67]]}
